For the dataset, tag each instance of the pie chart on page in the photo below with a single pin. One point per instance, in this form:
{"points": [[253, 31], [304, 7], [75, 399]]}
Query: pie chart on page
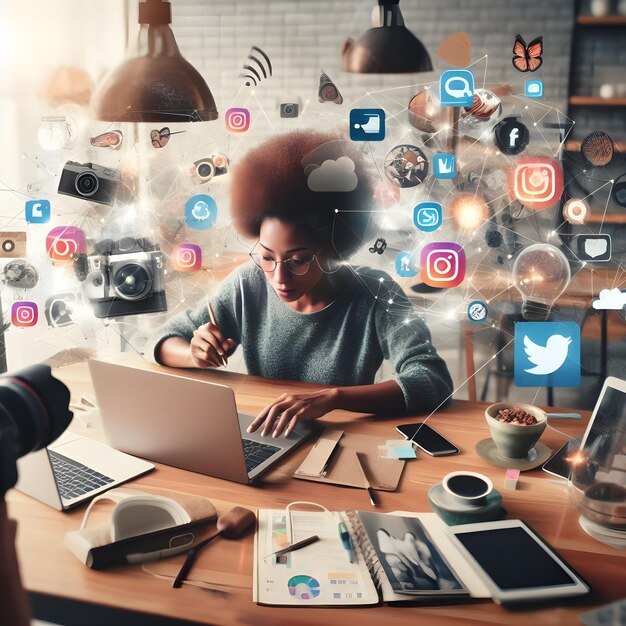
{"points": [[303, 587]]}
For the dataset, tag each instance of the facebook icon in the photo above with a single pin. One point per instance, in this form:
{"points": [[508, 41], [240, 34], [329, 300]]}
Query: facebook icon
{"points": [[444, 165], [511, 135], [37, 211]]}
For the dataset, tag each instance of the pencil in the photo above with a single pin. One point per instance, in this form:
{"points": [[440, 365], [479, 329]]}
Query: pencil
{"points": [[214, 322], [295, 546]]}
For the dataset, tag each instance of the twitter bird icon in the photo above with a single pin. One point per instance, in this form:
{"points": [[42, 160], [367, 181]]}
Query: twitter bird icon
{"points": [[547, 354]]}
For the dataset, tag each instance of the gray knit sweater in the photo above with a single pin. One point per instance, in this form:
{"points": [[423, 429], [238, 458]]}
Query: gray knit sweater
{"points": [[343, 344]]}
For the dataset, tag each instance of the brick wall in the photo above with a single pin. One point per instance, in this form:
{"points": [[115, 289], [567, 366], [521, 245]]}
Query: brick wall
{"points": [[301, 36]]}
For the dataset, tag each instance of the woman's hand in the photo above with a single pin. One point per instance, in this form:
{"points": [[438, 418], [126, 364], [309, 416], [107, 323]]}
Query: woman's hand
{"points": [[291, 409], [208, 346]]}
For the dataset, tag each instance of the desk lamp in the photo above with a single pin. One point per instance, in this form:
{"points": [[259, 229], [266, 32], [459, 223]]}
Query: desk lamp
{"points": [[158, 85], [387, 48]]}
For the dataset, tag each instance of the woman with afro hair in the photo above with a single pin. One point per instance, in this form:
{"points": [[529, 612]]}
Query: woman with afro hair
{"points": [[299, 311]]}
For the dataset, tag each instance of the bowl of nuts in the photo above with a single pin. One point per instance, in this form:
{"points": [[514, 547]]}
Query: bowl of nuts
{"points": [[515, 428]]}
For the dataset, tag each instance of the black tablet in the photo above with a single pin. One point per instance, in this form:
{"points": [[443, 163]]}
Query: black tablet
{"points": [[514, 563]]}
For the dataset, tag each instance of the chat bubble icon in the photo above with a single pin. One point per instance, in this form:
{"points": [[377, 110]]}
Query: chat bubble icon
{"points": [[595, 248]]}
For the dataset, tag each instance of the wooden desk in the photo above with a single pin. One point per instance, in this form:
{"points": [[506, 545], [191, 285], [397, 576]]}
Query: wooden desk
{"points": [[48, 567]]}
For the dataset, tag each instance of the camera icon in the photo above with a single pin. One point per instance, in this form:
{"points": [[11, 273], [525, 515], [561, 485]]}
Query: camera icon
{"points": [[63, 243], [237, 120], [537, 183], [443, 264], [187, 257], [24, 314], [290, 109]]}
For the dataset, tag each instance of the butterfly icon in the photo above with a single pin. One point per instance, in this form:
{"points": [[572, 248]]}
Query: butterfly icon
{"points": [[527, 58]]}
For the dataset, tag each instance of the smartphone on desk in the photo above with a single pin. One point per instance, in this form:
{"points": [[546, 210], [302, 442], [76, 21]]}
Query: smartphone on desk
{"points": [[559, 464], [427, 438]]}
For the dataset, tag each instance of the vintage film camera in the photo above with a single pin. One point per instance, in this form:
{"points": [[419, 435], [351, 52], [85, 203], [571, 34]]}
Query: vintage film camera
{"points": [[125, 277], [89, 181], [203, 170]]}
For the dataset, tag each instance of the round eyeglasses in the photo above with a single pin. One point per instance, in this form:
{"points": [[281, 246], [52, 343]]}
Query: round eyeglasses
{"points": [[298, 267]]}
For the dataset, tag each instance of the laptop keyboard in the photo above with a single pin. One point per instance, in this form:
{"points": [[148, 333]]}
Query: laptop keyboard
{"points": [[255, 453], [75, 479]]}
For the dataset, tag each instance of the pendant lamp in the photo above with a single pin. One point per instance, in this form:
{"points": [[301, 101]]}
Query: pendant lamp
{"points": [[158, 85], [389, 48]]}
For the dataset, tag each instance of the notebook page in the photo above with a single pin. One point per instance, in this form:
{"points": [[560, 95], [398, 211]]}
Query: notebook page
{"points": [[317, 575]]}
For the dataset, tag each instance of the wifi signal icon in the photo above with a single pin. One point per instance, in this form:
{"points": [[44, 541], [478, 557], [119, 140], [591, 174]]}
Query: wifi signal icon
{"points": [[255, 69]]}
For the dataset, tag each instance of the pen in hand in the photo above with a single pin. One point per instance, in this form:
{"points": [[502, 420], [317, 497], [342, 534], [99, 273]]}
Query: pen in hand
{"points": [[214, 322]]}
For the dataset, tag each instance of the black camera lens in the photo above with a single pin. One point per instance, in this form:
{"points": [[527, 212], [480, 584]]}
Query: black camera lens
{"points": [[205, 169], [87, 184], [33, 413], [8, 245], [132, 281]]}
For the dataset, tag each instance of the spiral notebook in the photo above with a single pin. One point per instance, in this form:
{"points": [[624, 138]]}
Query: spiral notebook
{"points": [[397, 557]]}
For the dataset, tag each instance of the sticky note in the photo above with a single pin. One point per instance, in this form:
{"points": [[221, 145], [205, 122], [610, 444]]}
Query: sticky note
{"points": [[510, 478], [398, 443], [402, 453], [397, 449]]}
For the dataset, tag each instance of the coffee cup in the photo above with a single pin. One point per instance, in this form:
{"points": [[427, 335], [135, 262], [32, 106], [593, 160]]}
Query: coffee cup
{"points": [[467, 487]]}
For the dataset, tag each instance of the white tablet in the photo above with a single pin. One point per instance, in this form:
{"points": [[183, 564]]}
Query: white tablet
{"points": [[514, 563]]}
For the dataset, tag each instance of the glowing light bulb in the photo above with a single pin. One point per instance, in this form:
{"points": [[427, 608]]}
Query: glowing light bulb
{"points": [[469, 211], [541, 273]]}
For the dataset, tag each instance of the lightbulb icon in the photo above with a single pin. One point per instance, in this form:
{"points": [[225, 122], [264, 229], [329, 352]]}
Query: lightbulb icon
{"points": [[541, 273]]}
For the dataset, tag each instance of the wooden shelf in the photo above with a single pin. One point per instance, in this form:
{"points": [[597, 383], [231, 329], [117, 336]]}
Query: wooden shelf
{"points": [[572, 145], [609, 218], [603, 20], [597, 101]]}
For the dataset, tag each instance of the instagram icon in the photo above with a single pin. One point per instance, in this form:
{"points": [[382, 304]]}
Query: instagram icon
{"points": [[187, 257], [64, 242], [537, 183], [24, 313], [237, 120], [442, 264]]}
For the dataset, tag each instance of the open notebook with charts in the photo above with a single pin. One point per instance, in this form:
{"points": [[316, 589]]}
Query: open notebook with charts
{"points": [[402, 556]]}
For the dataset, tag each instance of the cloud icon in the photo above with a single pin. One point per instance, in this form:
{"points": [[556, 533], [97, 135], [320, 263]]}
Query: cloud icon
{"points": [[334, 175], [610, 299]]}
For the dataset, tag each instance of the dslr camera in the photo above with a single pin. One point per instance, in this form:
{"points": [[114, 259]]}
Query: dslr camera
{"points": [[125, 277], [89, 181], [33, 413], [203, 170]]}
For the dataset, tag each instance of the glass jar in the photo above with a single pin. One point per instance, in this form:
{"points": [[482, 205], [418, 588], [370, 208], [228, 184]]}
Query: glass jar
{"points": [[597, 482]]}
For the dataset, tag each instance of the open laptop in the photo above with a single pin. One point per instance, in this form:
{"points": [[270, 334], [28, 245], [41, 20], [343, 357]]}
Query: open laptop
{"points": [[185, 422], [73, 469]]}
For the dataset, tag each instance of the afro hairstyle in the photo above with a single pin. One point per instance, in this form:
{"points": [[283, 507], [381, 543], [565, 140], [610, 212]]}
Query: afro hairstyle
{"points": [[271, 181]]}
